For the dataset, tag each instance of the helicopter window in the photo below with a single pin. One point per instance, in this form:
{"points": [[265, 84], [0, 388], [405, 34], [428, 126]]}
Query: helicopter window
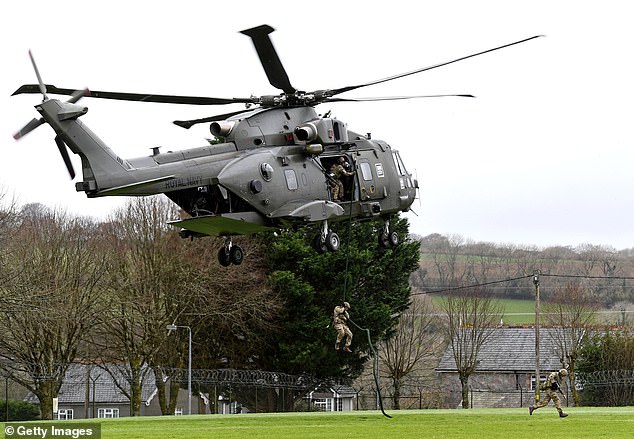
{"points": [[366, 171], [291, 179], [267, 171], [399, 163], [335, 127]]}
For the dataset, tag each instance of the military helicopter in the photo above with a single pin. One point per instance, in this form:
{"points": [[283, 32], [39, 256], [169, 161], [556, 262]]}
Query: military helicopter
{"points": [[271, 168]]}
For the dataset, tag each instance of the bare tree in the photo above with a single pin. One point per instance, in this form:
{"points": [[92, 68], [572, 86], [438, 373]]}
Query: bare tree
{"points": [[158, 279], [572, 312], [472, 316], [50, 300], [145, 284], [416, 341], [8, 213]]}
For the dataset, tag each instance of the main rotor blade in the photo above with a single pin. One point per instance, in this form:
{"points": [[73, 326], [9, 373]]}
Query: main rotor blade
{"points": [[268, 57], [64, 152], [413, 72], [187, 124], [41, 85], [395, 98], [138, 97], [34, 123]]}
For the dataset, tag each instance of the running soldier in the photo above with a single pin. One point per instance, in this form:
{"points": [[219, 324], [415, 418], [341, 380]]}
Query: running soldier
{"points": [[552, 386]]}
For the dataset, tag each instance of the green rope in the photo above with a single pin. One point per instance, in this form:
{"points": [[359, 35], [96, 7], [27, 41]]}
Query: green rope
{"points": [[375, 357]]}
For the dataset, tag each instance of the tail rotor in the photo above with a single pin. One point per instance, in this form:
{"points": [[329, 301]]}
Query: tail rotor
{"points": [[34, 123]]}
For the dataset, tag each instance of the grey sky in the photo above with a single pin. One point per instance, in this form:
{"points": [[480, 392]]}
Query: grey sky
{"points": [[542, 156]]}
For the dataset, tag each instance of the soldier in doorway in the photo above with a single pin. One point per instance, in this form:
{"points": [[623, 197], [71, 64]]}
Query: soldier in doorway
{"points": [[551, 387], [337, 171]]}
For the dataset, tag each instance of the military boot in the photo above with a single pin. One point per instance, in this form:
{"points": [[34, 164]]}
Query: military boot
{"points": [[531, 409], [562, 414]]}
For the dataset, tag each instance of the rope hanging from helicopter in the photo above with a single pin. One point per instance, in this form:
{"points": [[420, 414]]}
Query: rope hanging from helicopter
{"points": [[375, 358]]}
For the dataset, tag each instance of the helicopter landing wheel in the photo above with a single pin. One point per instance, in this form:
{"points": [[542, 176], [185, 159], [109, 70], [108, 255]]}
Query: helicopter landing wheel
{"points": [[223, 257], [388, 238], [332, 241], [319, 244], [393, 239], [236, 255]]}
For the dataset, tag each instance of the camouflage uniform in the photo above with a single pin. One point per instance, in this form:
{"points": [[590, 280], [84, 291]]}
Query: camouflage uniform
{"points": [[336, 185], [551, 386], [339, 318]]}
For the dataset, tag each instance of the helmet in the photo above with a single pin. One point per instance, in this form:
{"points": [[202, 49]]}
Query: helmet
{"points": [[563, 372], [346, 305]]}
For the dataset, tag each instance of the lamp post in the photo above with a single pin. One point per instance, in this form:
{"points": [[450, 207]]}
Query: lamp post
{"points": [[171, 328], [537, 359]]}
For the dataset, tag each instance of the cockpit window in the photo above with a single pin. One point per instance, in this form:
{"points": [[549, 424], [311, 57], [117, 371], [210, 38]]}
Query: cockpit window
{"points": [[400, 167]]}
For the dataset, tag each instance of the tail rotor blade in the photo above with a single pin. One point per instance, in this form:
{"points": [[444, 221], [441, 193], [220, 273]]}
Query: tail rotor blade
{"points": [[78, 95], [64, 152], [39, 78], [34, 123]]}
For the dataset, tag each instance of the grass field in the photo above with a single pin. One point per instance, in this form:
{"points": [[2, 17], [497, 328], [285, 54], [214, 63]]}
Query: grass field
{"points": [[516, 311], [583, 422]]}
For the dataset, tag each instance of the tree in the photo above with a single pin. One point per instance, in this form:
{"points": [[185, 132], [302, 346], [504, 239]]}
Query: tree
{"points": [[50, 302], [145, 284], [572, 313], [416, 340], [472, 316], [606, 368], [158, 279], [309, 285], [8, 214]]}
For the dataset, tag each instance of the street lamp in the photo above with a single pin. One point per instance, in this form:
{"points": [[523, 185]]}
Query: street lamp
{"points": [[171, 328]]}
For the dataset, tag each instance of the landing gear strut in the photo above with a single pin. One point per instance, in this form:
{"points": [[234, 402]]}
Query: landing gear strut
{"points": [[326, 240], [388, 239], [230, 253]]}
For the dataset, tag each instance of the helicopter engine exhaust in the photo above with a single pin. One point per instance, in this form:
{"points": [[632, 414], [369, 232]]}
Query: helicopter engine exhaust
{"points": [[221, 129], [306, 133]]}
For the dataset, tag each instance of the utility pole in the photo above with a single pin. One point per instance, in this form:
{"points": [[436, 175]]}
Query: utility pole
{"points": [[536, 274]]}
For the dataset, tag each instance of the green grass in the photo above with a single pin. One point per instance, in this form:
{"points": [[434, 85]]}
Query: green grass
{"points": [[516, 311], [583, 422]]}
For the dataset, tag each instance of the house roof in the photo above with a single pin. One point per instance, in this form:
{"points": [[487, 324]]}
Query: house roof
{"points": [[101, 382], [341, 390], [512, 350]]}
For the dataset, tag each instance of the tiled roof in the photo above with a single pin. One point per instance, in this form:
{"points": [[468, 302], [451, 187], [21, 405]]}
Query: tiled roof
{"points": [[76, 380], [511, 350]]}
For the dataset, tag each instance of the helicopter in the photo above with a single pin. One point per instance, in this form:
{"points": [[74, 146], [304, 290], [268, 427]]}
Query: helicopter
{"points": [[275, 164]]}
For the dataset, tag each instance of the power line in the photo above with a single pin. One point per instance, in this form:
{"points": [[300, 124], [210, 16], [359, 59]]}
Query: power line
{"points": [[463, 287], [501, 281]]}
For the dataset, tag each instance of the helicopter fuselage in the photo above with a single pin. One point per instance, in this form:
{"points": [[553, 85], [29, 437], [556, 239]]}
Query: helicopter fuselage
{"points": [[272, 170]]}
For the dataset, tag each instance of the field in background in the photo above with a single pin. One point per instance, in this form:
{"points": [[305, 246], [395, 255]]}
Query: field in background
{"points": [[522, 312], [516, 311], [613, 423]]}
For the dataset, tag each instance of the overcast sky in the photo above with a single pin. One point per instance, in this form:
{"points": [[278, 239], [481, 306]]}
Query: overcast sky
{"points": [[543, 155]]}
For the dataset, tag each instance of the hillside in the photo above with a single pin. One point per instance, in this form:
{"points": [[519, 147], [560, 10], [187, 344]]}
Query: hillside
{"points": [[507, 270]]}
